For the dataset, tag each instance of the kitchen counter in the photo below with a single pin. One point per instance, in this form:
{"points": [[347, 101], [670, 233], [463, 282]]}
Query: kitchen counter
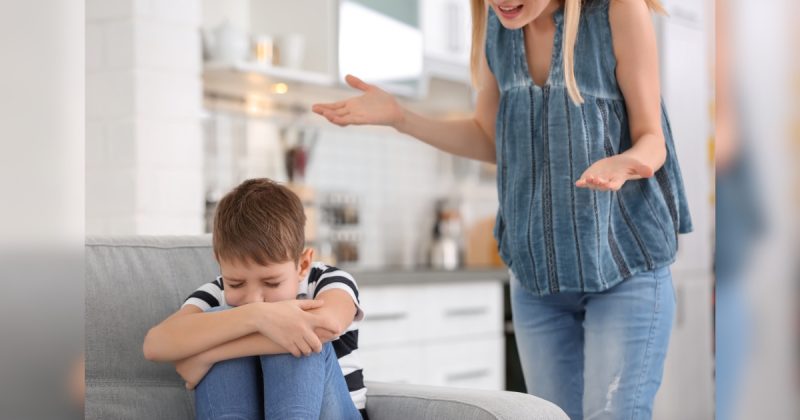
{"points": [[400, 276]]}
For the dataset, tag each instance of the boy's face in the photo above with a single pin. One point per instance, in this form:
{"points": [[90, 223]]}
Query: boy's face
{"points": [[248, 282]]}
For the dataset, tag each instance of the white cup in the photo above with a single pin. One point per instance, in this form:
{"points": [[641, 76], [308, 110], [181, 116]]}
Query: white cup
{"points": [[292, 48]]}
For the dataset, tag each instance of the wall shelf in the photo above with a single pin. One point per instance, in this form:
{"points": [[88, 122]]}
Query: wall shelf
{"points": [[254, 71]]}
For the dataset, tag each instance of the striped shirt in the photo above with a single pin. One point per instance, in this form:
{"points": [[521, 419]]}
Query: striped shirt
{"points": [[320, 278]]}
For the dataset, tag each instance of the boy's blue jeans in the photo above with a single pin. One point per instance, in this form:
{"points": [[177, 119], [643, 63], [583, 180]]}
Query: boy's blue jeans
{"points": [[597, 355], [277, 386]]}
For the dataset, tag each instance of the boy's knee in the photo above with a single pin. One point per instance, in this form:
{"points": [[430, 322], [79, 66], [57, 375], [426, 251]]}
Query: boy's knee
{"points": [[327, 348], [327, 353]]}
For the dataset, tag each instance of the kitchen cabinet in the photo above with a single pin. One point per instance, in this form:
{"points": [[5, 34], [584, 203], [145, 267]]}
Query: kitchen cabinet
{"points": [[377, 40], [447, 30], [687, 91], [687, 388], [686, 391], [315, 20], [382, 44], [448, 334]]}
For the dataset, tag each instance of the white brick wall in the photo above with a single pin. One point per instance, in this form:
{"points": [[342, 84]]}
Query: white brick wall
{"points": [[144, 147], [397, 181]]}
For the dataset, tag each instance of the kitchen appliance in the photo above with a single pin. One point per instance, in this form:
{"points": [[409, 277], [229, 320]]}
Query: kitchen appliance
{"points": [[298, 144], [226, 43], [446, 249]]}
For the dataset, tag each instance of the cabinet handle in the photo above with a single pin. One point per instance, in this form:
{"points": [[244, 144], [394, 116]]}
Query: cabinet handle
{"points": [[392, 316], [508, 327], [469, 311], [467, 375]]}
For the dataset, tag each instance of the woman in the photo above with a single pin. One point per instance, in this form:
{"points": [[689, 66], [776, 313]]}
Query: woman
{"points": [[591, 195]]}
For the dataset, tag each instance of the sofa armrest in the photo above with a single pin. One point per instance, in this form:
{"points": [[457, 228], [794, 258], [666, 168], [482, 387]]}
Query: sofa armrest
{"points": [[401, 402]]}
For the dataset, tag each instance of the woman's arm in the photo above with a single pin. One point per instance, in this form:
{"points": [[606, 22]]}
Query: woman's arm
{"points": [[469, 137], [726, 140], [634, 44], [636, 52]]}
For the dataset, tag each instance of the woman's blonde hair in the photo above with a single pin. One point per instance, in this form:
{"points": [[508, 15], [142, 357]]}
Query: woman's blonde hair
{"points": [[572, 15]]}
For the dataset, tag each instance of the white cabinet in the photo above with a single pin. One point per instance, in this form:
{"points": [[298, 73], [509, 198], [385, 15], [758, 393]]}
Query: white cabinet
{"points": [[446, 26], [447, 334], [462, 310], [686, 390], [394, 364], [476, 363], [315, 20], [447, 31], [392, 316], [687, 92]]}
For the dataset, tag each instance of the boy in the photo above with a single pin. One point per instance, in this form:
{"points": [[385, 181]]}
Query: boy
{"points": [[231, 337]]}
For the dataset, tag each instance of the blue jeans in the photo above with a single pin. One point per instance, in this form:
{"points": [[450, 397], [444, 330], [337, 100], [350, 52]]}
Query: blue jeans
{"points": [[277, 386], [597, 355]]}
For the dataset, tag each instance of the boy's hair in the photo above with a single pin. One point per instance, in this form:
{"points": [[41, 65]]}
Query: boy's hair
{"points": [[259, 221]]}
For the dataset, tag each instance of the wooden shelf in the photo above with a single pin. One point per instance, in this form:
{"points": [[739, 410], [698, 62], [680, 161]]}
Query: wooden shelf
{"points": [[273, 74], [243, 83]]}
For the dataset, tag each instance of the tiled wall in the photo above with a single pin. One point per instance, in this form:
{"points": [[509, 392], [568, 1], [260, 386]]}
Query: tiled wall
{"points": [[143, 102], [396, 180]]}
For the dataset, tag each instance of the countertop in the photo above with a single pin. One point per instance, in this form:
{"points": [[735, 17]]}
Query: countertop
{"points": [[393, 277]]}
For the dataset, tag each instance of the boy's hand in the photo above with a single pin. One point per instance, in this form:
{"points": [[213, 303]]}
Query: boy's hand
{"points": [[193, 369], [289, 325], [610, 174]]}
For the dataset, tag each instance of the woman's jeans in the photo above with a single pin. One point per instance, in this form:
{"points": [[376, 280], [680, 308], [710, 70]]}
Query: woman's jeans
{"points": [[597, 355], [276, 387]]}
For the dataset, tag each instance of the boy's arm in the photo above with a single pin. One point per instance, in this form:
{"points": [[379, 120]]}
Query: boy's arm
{"points": [[190, 331], [338, 308]]}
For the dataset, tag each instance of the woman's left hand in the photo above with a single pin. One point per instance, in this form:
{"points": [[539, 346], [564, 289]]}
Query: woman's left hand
{"points": [[193, 369], [609, 174]]}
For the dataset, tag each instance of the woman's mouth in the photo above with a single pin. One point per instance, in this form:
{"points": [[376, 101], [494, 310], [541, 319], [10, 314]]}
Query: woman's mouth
{"points": [[509, 12]]}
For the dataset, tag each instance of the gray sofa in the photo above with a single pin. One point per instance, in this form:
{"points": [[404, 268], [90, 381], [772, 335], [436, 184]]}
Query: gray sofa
{"points": [[134, 282]]}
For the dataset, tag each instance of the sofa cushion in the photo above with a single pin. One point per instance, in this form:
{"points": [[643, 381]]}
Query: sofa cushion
{"points": [[131, 285]]}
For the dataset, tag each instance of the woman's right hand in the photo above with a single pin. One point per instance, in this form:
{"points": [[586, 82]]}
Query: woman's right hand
{"points": [[374, 107], [291, 326]]}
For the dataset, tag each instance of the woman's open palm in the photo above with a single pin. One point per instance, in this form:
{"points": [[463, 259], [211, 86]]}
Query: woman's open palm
{"points": [[609, 174], [375, 106]]}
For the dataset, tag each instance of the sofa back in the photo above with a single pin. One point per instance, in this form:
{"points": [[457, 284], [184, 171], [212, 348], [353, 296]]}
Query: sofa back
{"points": [[132, 283]]}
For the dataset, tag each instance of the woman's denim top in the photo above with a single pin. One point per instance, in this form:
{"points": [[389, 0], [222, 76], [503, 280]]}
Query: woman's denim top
{"points": [[554, 236]]}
